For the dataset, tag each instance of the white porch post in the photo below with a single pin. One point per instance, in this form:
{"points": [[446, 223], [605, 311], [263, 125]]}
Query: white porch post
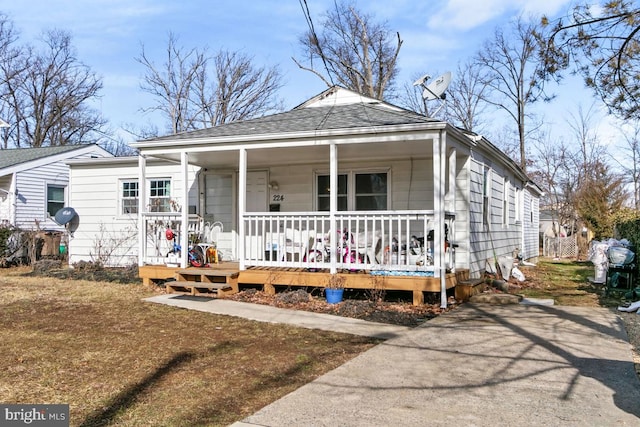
{"points": [[333, 204], [438, 214], [184, 236], [242, 203], [443, 263], [142, 197]]}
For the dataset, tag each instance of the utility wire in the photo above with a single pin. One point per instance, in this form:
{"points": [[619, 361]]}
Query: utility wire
{"points": [[307, 15]]}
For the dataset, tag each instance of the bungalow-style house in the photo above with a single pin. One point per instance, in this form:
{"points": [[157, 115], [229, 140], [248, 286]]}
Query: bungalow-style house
{"points": [[34, 183], [341, 184]]}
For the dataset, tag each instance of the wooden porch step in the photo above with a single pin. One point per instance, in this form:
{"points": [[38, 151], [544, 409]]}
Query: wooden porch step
{"points": [[465, 289], [198, 288], [205, 281]]}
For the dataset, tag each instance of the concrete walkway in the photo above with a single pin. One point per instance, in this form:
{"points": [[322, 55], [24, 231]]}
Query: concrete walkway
{"points": [[478, 365], [264, 313]]}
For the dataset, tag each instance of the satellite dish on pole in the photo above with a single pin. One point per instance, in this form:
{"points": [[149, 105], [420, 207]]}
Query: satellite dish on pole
{"points": [[64, 216], [436, 89]]}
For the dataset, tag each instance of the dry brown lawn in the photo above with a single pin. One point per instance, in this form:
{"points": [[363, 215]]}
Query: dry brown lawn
{"points": [[117, 360]]}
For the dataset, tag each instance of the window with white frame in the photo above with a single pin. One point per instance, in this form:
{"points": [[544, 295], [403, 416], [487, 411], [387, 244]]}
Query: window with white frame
{"points": [[486, 196], [505, 202], [129, 197], [55, 199], [160, 195], [359, 191], [518, 202]]}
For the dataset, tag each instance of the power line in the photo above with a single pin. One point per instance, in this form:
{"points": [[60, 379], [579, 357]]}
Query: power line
{"points": [[307, 15]]}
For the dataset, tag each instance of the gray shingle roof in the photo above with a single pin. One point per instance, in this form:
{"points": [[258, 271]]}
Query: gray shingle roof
{"points": [[16, 156], [309, 119]]}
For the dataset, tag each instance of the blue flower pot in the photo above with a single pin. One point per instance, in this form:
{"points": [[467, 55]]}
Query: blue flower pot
{"points": [[334, 296]]}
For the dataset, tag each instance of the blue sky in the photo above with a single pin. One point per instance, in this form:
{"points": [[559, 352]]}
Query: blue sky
{"points": [[108, 35]]}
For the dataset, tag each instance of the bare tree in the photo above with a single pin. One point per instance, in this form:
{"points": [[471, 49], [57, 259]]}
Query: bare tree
{"points": [[603, 44], [193, 90], [511, 70], [630, 163], [554, 172], [171, 83], [46, 94], [465, 98], [354, 51], [242, 90], [590, 152], [11, 66]]}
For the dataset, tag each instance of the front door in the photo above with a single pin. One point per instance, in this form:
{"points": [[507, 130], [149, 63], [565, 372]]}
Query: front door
{"points": [[219, 200], [257, 191]]}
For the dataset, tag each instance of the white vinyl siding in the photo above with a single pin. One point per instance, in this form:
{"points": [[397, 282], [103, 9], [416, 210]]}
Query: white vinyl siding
{"points": [[530, 225], [94, 192]]}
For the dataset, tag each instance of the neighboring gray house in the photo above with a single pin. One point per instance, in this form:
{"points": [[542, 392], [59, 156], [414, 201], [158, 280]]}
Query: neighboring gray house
{"points": [[34, 183]]}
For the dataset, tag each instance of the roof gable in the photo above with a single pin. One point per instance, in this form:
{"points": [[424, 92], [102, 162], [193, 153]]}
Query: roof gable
{"points": [[25, 158], [337, 95]]}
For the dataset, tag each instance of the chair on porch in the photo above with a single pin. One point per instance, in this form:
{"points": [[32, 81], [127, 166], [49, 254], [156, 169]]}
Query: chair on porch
{"points": [[369, 246], [296, 243], [210, 237]]}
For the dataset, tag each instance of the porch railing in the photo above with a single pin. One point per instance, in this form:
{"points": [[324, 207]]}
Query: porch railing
{"points": [[377, 240], [157, 248]]}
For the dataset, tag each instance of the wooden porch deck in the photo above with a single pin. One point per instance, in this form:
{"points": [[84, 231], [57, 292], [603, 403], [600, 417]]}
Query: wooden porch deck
{"points": [[270, 277]]}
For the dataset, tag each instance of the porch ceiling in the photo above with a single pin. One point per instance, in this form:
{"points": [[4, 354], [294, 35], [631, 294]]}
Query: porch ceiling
{"points": [[263, 157]]}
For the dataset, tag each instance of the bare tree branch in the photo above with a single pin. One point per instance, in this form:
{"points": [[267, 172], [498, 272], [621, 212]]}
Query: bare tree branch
{"points": [[356, 52]]}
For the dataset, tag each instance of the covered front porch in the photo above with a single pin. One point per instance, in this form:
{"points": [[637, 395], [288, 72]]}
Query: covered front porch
{"points": [[362, 189], [269, 279]]}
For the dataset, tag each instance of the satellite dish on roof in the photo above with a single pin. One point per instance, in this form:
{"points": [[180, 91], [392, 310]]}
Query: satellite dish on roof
{"points": [[436, 89], [64, 216]]}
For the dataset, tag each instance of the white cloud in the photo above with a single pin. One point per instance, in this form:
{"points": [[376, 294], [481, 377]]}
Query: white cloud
{"points": [[464, 15]]}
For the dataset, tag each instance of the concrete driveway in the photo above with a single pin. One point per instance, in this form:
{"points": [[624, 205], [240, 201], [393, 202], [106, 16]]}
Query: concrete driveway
{"points": [[479, 365]]}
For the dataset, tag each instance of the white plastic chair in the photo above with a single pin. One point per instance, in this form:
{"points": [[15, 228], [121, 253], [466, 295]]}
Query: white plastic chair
{"points": [[296, 243]]}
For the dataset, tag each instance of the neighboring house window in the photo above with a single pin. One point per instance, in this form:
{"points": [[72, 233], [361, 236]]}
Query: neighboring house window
{"points": [[129, 197], [360, 191], [55, 199], [160, 195]]}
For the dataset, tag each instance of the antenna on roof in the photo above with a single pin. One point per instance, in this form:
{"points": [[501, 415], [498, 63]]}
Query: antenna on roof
{"points": [[436, 89]]}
